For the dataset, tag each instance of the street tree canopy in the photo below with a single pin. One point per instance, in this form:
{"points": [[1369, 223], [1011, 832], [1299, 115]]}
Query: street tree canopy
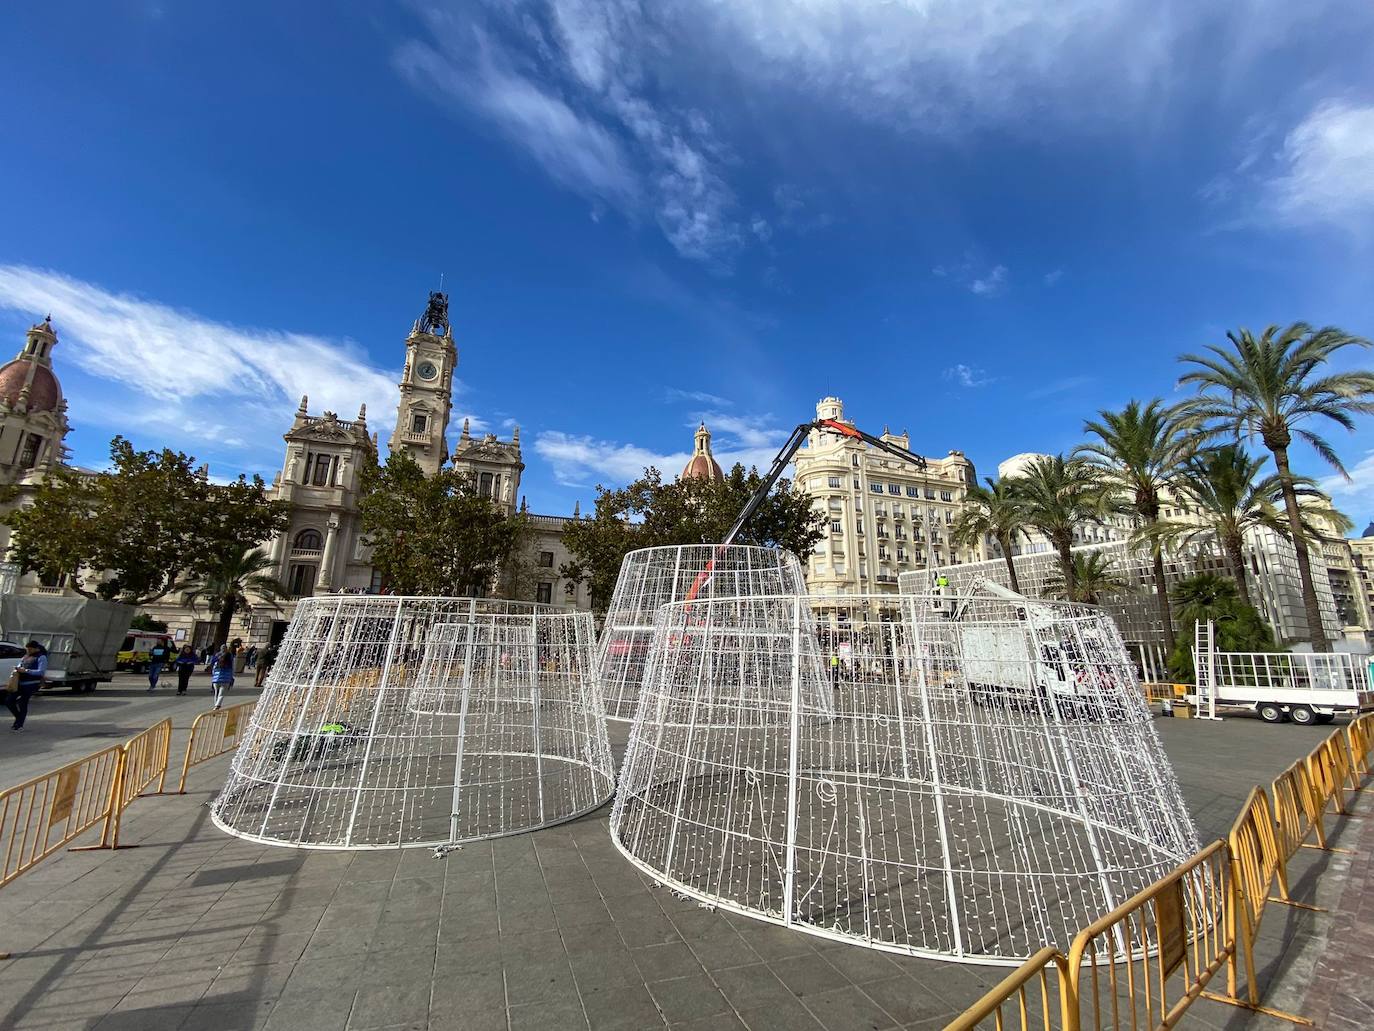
{"points": [[141, 528], [652, 513], [434, 535]]}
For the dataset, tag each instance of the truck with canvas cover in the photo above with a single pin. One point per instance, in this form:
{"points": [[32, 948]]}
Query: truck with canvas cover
{"points": [[82, 635]]}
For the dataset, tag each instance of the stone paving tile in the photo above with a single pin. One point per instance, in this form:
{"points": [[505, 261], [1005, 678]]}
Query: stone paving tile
{"points": [[550, 930]]}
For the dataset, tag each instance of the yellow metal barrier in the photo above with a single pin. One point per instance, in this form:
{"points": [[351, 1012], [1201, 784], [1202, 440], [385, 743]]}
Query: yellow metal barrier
{"points": [[1359, 737], [214, 733], [40, 816], [1143, 964], [1046, 1008], [1165, 694], [1298, 813], [143, 759], [1329, 768], [1256, 863]]}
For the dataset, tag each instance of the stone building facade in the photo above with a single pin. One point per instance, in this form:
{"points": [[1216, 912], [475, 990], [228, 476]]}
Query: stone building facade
{"points": [[885, 517], [323, 549], [33, 421]]}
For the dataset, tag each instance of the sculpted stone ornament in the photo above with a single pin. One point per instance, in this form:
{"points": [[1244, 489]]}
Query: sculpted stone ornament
{"points": [[435, 318]]}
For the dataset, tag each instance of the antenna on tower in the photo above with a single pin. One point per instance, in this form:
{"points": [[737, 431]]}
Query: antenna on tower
{"points": [[441, 282]]}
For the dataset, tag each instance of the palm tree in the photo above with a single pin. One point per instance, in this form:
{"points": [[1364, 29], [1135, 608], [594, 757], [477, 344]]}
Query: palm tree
{"points": [[1093, 576], [225, 585], [1273, 387], [1224, 492], [1058, 495], [992, 511], [1138, 452]]}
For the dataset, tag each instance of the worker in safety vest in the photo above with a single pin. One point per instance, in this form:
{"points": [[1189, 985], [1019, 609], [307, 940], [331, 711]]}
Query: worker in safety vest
{"points": [[834, 670], [941, 586]]}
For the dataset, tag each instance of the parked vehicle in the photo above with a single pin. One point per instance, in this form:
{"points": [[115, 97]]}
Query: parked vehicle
{"points": [[1302, 687], [82, 636], [10, 654], [133, 653]]}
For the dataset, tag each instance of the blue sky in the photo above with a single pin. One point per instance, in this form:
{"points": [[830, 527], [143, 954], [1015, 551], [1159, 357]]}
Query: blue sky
{"points": [[979, 220]]}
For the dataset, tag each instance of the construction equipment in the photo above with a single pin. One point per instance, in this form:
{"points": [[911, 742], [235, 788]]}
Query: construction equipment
{"points": [[793, 445]]}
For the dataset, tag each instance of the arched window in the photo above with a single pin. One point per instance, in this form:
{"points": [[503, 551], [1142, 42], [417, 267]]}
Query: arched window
{"points": [[308, 540]]}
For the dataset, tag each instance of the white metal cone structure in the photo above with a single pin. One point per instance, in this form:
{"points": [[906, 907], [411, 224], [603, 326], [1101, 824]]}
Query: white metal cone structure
{"points": [[986, 782], [653, 577], [391, 722]]}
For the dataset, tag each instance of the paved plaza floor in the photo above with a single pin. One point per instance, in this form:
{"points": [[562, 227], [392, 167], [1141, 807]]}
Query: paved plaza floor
{"points": [[196, 929]]}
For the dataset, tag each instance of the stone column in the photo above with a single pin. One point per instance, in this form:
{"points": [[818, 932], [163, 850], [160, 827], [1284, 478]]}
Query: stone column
{"points": [[326, 579]]}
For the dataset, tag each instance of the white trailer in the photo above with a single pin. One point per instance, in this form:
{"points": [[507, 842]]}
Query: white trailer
{"points": [[1304, 687]]}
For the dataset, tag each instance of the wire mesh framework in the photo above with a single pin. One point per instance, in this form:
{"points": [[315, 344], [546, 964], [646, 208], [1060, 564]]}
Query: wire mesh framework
{"points": [[653, 577], [391, 722], [985, 782]]}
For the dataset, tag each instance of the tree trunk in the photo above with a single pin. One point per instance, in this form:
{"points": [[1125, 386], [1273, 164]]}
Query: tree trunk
{"points": [[1011, 566], [1162, 600], [1316, 633], [1066, 563], [226, 620], [1235, 558]]}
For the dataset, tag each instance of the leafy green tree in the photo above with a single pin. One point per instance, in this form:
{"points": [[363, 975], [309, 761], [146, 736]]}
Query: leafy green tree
{"points": [[993, 511], [142, 527], [1238, 626], [1058, 495], [433, 535], [230, 581], [143, 621], [1137, 452], [1093, 577], [652, 513], [1275, 386]]}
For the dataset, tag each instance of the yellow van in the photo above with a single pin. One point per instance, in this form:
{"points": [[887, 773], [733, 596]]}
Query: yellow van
{"points": [[133, 653]]}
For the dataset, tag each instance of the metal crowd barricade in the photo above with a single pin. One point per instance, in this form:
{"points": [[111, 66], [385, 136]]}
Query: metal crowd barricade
{"points": [[212, 734], [42, 815], [1035, 993], [1256, 862], [143, 759], [1329, 768], [1146, 961]]}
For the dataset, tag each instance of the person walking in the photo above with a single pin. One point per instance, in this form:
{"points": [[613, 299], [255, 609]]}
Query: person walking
{"points": [[251, 657], [157, 658], [185, 663], [265, 660], [222, 671], [25, 682]]}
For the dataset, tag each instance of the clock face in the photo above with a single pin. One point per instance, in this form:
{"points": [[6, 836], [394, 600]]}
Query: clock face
{"points": [[427, 370]]}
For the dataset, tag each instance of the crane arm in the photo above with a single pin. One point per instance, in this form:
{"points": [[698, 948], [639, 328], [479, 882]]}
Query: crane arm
{"points": [[793, 445]]}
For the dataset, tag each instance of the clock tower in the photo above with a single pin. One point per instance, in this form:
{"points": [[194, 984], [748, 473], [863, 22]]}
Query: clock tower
{"points": [[427, 388]]}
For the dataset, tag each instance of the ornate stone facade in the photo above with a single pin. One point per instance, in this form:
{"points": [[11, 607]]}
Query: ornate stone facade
{"points": [[33, 412], [33, 422]]}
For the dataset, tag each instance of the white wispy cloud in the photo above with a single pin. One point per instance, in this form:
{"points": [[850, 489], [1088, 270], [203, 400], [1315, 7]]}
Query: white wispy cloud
{"points": [[1326, 168], [1053, 276], [1060, 386], [967, 376], [975, 277], [197, 379], [674, 395], [1354, 496], [993, 283], [563, 79], [580, 460]]}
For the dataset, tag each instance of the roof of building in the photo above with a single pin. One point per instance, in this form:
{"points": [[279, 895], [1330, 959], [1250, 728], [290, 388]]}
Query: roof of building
{"points": [[702, 465], [44, 395]]}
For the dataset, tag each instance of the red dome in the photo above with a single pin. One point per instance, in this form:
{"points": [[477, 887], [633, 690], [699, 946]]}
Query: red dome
{"points": [[44, 395], [702, 465]]}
